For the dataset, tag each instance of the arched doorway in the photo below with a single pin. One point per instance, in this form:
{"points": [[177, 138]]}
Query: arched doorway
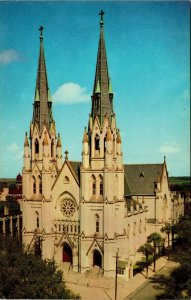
{"points": [[97, 260], [67, 253]]}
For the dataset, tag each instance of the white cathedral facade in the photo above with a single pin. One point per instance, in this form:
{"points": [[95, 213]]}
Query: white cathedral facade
{"points": [[83, 213]]}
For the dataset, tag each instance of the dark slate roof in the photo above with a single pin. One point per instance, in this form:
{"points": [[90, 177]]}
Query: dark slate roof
{"points": [[141, 179], [76, 168]]}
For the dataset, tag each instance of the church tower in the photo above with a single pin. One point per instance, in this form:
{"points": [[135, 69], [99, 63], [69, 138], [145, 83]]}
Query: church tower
{"points": [[42, 162], [102, 174]]}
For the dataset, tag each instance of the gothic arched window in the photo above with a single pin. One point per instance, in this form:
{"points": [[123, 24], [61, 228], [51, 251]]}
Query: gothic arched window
{"points": [[105, 143], [52, 148], [97, 142], [97, 223], [34, 185], [66, 179], [36, 144], [40, 185], [93, 185], [37, 220], [100, 185]]}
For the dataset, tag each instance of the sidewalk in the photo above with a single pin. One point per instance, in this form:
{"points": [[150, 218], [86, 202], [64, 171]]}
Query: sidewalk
{"points": [[104, 288]]}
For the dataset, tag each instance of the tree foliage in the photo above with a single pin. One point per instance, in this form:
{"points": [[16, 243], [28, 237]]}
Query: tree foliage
{"points": [[156, 239], [167, 228], [178, 285], [146, 249], [23, 275]]}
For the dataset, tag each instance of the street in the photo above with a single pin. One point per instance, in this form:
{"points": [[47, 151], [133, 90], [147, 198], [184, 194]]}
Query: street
{"points": [[150, 289]]}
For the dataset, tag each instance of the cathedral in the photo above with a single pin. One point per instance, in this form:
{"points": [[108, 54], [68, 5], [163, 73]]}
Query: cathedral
{"points": [[85, 213]]}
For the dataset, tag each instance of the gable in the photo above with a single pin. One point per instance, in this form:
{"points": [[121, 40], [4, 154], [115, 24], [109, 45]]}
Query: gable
{"points": [[140, 179]]}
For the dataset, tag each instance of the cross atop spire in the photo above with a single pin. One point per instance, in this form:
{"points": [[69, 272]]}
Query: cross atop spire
{"points": [[101, 18], [41, 28]]}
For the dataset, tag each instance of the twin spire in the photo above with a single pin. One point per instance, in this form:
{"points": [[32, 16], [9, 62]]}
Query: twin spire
{"points": [[102, 98]]}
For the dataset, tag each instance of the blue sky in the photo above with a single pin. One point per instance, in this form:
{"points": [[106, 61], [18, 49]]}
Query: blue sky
{"points": [[149, 63]]}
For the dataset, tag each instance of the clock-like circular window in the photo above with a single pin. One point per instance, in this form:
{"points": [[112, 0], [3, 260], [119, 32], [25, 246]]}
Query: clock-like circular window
{"points": [[67, 207]]}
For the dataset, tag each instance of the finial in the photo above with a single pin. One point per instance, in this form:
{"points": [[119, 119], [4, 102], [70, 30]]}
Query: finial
{"points": [[41, 28], [164, 158], [108, 137], [85, 137], [101, 19], [66, 154], [59, 144], [118, 137], [26, 144]]}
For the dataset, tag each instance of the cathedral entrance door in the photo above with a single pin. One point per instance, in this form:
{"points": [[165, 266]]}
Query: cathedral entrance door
{"points": [[67, 253], [97, 260]]}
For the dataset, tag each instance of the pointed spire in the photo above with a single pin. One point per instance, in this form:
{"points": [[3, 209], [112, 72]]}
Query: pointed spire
{"points": [[109, 137], [85, 137], [101, 82], [66, 154], [26, 143], [118, 137], [42, 112], [59, 144]]}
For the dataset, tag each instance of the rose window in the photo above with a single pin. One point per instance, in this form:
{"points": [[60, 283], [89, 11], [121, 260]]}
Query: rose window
{"points": [[67, 207]]}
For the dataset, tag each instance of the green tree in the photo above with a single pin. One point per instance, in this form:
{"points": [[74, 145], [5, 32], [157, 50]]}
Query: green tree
{"points": [[23, 275], [178, 285], [146, 249], [156, 239], [167, 229]]}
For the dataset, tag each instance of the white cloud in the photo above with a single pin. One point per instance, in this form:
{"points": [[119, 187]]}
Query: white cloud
{"points": [[8, 56], [17, 153], [169, 149], [13, 147], [70, 93]]}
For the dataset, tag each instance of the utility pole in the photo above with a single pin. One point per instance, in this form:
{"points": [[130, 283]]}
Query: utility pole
{"points": [[116, 262]]}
